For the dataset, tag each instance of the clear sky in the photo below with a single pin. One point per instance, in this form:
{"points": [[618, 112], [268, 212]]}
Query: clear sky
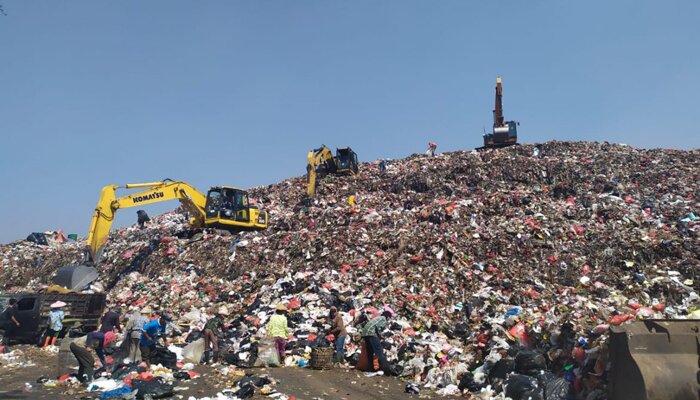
{"points": [[236, 92]]}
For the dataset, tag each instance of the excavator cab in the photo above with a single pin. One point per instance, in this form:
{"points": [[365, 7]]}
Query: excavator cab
{"points": [[346, 161], [229, 208]]}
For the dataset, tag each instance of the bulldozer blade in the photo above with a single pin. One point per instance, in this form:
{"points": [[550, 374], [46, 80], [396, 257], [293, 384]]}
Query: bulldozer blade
{"points": [[655, 360]]}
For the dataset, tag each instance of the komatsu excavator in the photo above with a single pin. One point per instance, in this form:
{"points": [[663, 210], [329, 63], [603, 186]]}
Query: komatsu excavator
{"points": [[320, 162], [223, 207]]}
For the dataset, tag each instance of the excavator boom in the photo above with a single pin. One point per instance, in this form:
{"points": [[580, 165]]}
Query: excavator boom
{"points": [[103, 217], [321, 161], [223, 207], [318, 162], [498, 108]]}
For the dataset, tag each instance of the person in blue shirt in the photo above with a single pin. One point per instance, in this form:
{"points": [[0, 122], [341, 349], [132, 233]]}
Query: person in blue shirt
{"points": [[150, 334], [55, 327]]}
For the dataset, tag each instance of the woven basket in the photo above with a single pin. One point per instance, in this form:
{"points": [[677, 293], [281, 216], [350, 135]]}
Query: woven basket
{"points": [[321, 358]]}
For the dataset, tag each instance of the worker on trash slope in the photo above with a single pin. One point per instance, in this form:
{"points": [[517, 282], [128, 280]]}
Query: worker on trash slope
{"points": [[55, 323], [338, 330], [431, 149], [370, 332], [142, 218], [134, 328], [211, 330], [279, 329], [150, 334], [82, 349]]}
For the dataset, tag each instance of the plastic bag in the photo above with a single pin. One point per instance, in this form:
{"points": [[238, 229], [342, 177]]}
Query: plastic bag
{"points": [[467, 383], [555, 388], [156, 388], [245, 392], [182, 375], [194, 336], [522, 387], [116, 393], [267, 356], [164, 357], [529, 362], [412, 388], [193, 352]]}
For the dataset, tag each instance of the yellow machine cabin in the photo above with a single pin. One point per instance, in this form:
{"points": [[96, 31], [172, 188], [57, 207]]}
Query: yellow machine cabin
{"points": [[223, 207], [320, 162]]}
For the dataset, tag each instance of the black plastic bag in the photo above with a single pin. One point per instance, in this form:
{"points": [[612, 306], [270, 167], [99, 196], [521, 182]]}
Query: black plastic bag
{"points": [[156, 388], [353, 359], [121, 352], [529, 362], [555, 388], [246, 392], [122, 370], [461, 330], [522, 387], [320, 341], [467, 383], [38, 238], [499, 372], [164, 357], [193, 336], [181, 375], [412, 388], [261, 381]]}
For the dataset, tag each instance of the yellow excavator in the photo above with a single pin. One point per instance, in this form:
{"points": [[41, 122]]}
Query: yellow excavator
{"points": [[320, 162], [223, 207]]}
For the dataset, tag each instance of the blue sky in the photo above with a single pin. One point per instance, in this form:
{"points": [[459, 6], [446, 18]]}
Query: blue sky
{"points": [[236, 92]]}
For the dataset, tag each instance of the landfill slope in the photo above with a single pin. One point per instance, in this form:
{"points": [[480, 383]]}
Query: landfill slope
{"points": [[476, 251]]}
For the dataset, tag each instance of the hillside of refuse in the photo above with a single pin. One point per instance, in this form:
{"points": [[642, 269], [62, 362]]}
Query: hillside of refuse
{"points": [[475, 250], [431, 222]]}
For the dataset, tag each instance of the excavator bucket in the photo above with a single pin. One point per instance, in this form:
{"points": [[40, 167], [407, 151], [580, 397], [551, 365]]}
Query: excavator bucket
{"points": [[655, 360]]}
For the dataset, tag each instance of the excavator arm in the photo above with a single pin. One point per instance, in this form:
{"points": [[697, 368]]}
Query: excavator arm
{"points": [[318, 159], [193, 201]]}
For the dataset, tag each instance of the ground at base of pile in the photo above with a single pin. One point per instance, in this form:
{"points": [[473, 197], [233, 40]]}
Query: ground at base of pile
{"points": [[302, 383]]}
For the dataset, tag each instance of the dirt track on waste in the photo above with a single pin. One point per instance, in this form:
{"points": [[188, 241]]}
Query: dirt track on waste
{"points": [[304, 384]]}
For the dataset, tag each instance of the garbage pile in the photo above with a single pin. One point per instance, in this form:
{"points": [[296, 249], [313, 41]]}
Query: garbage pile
{"points": [[505, 267]]}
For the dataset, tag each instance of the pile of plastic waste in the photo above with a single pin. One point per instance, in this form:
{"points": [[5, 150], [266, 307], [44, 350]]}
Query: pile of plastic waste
{"points": [[505, 267]]}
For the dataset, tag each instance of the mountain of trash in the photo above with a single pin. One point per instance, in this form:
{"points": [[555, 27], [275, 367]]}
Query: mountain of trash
{"points": [[498, 263]]}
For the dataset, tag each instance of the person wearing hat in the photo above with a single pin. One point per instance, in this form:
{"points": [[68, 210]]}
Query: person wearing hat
{"points": [[211, 331], [149, 336], [55, 323], [134, 328], [338, 330], [278, 329], [83, 347]]}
